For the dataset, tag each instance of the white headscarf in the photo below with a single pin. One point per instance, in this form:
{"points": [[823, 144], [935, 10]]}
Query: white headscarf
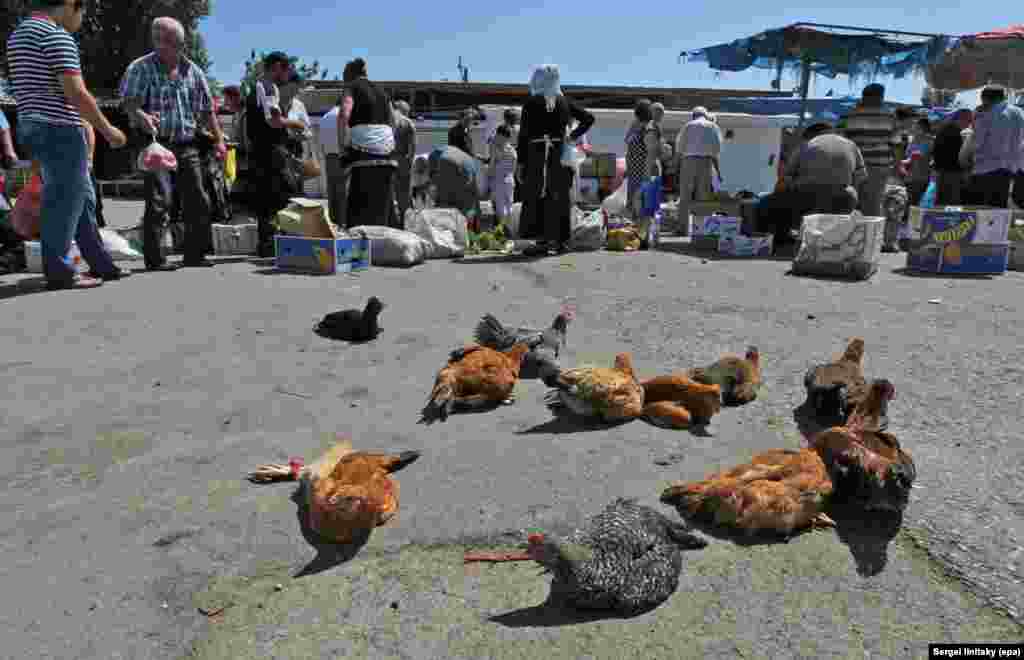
{"points": [[545, 82]]}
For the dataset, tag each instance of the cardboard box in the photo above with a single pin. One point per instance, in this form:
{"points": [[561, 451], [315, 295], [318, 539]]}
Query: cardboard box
{"points": [[321, 256], [738, 245], [34, 257], [305, 217], [705, 231], [965, 224], [235, 239], [959, 259]]}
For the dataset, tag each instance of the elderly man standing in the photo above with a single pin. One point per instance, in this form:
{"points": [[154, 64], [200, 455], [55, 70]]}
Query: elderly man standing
{"points": [[998, 140], [698, 147], [874, 130], [405, 153], [167, 94]]}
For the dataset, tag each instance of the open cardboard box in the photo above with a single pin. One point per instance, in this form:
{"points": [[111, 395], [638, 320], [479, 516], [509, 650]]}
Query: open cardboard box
{"points": [[308, 218]]}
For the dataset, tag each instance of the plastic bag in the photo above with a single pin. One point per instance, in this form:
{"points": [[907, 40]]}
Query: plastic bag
{"points": [[230, 167], [616, 203], [118, 246], [928, 199], [393, 247], [444, 230], [571, 156], [26, 216], [157, 158], [651, 195], [588, 230]]}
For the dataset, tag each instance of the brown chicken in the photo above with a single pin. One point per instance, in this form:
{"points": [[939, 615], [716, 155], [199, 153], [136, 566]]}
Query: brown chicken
{"points": [[610, 394], [780, 491], [474, 377], [868, 465], [739, 377], [677, 402], [346, 491], [835, 389]]}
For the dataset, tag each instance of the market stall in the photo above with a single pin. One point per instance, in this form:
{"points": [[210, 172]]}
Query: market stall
{"points": [[975, 60]]}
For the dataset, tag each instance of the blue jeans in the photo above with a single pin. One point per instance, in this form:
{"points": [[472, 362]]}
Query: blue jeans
{"points": [[69, 201]]}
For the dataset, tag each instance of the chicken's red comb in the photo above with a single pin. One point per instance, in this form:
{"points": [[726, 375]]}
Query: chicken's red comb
{"points": [[296, 465], [535, 538]]}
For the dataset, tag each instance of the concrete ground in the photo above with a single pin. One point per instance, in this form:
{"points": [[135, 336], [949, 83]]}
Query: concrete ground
{"points": [[134, 410]]}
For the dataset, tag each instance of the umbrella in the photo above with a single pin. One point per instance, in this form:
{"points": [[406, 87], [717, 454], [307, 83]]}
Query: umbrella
{"points": [[986, 57]]}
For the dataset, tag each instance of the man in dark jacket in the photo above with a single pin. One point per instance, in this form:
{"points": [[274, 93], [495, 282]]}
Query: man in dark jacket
{"points": [[946, 158], [458, 136]]}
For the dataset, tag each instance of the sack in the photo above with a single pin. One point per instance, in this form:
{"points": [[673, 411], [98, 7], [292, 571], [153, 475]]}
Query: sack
{"points": [[651, 195], [840, 246], [444, 230], [588, 230], [616, 203], [157, 158], [623, 239], [571, 156], [26, 217], [392, 247], [118, 246]]}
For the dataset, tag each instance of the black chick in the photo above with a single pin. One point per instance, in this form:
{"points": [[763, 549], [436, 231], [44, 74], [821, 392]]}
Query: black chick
{"points": [[352, 324]]}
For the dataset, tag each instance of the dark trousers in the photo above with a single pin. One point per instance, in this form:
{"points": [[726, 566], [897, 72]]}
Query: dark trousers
{"points": [[783, 211], [185, 184], [271, 194], [991, 189], [949, 188], [548, 215]]}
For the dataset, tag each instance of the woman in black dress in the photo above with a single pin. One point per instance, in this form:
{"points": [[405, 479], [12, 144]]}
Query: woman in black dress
{"points": [[546, 183], [371, 152]]}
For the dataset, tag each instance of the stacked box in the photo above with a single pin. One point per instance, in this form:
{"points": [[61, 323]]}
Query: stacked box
{"points": [[707, 231], [739, 245], [959, 241], [321, 256]]}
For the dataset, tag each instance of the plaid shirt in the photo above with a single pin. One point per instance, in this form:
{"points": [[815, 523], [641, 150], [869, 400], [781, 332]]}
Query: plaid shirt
{"points": [[178, 102]]}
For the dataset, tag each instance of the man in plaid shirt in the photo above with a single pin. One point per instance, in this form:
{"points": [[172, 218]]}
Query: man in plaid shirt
{"points": [[167, 95]]}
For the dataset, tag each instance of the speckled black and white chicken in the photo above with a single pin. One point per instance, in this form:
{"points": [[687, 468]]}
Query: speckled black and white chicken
{"points": [[627, 559]]}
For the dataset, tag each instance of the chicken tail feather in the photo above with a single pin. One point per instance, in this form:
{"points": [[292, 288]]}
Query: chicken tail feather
{"points": [[405, 459], [491, 333], [266, 474], [441, 403]]}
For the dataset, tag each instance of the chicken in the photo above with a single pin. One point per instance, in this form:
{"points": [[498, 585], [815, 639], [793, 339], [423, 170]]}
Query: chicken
{"points": [[626, 559], [545, 345], [739, 377], [675, 401], [353, 324], [610, 394], [868, 465], [346, 491], [780, 491], [478, 377], [835, 389]]}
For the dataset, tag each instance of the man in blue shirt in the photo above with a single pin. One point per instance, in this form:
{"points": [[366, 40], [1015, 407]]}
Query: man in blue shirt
{"points": [[998, 141]]}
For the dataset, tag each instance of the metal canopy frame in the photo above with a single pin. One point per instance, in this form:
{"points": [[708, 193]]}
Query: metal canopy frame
{"points": [[805, 70]]}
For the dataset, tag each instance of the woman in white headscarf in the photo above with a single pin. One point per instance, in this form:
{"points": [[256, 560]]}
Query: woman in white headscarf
{"points": [[546, 183]]}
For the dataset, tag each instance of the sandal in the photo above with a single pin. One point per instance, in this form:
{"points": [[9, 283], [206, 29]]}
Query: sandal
{"points": [[76, 282], [117, 274]]}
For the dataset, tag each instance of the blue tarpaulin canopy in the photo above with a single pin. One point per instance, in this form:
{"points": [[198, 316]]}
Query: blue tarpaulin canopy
{"points": [[830, 108]]}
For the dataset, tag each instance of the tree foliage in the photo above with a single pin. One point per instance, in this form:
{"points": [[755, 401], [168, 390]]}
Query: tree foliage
{"points": [[254, 70], [116, 32]]}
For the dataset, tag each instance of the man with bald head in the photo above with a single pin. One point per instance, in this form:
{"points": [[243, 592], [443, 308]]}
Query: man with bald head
{"points": [[167, 95], [405, 153]]}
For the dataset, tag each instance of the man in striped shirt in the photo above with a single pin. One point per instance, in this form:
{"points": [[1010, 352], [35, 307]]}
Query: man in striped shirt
{"points": [[873, 129], [167, 95], [46, 78]]}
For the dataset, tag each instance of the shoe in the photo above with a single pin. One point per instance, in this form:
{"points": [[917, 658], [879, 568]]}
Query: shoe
{"points": [[889, 249], [162, 268], [265, 252], [200, 263], [118, 274], [538, 250], [76, 282]]}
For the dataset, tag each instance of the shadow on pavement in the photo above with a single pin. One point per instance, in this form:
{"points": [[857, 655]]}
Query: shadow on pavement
{"points": [[328, 554], [866, 533], [553, 613], [566, 422]]}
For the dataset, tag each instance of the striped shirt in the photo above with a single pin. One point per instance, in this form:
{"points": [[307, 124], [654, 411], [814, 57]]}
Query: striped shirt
{"points": [[874, 131], [179, 102], [38, 53]]}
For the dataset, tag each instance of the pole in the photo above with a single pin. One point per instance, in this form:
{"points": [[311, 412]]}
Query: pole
{"points": [[805, 83]]}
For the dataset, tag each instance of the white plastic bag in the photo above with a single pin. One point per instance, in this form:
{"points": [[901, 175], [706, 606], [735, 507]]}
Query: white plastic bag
{"points": [[588, 230], [156, 158], [616, 203], [392, 247], [118, 246], [444, 230]]}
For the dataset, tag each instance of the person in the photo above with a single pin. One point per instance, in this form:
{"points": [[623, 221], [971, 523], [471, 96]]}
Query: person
{"points": [[369, 127], [949, 173], [822, 176], [872, 128], [459, 136], [453, 178], [168, 96], [657, 117], [90, 140], [502, 172], [643, 147], [267, 128], [336, 179], [8, 156], [45, 76], [10, 242], [998, 140], [918, 169], [546, 116], [405, 153], [698, 148]]}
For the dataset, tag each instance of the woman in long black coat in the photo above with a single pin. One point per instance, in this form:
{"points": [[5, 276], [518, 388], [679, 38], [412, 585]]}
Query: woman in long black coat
{"points": [[546, 183]]}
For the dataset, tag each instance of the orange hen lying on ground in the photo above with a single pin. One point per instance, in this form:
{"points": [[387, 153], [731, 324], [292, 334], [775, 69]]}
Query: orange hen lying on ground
{"points": [[474, 377], [675, 401], [346, 491], [739, 377]]}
